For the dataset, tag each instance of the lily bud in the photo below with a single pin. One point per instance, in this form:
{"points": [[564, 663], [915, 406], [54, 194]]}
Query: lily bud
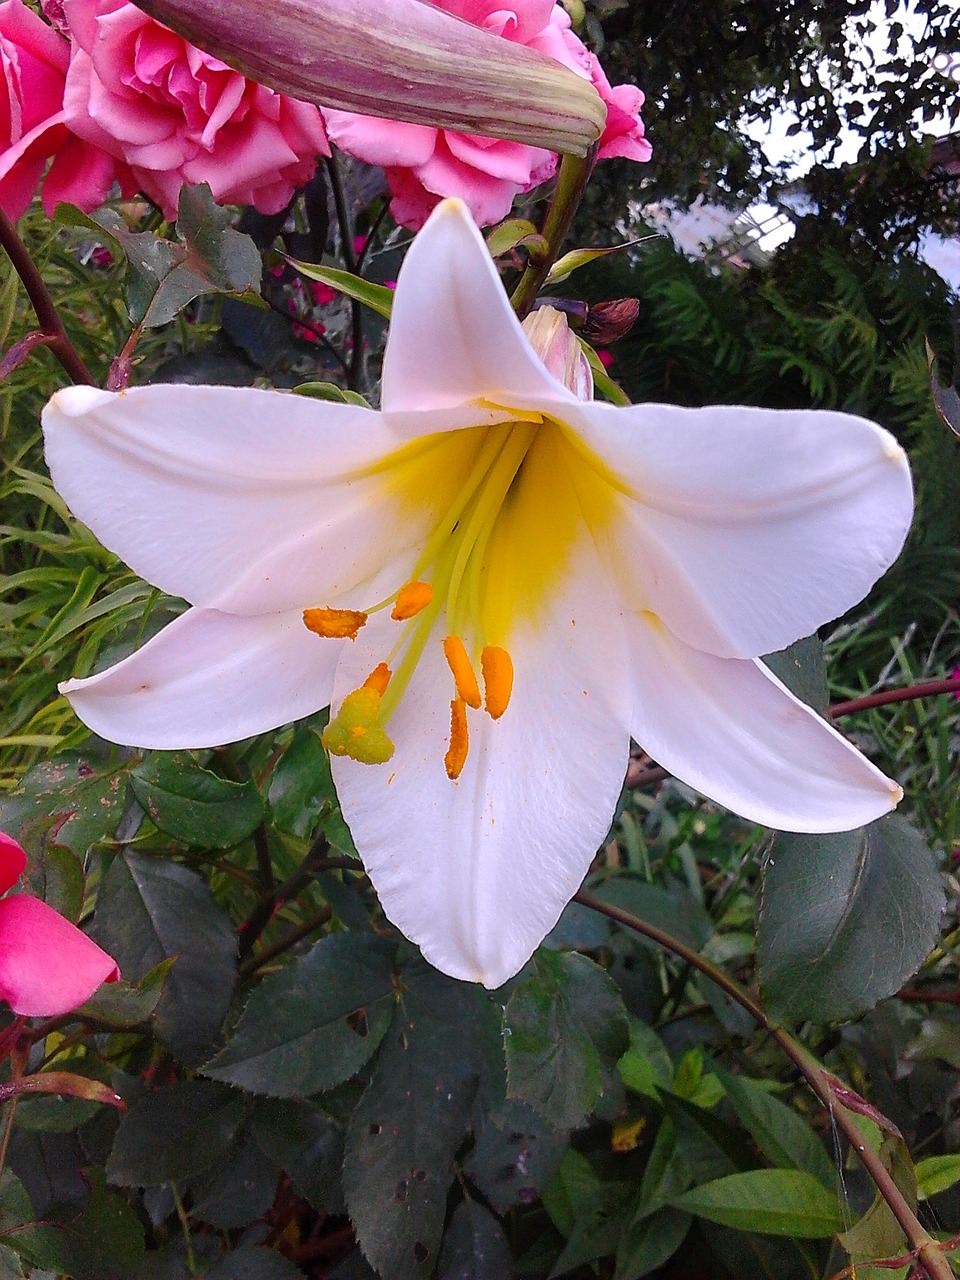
{"points": [[609, 321], [401, 59], [556, 344]]}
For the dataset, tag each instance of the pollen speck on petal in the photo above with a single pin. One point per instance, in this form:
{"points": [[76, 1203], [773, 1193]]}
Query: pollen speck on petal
{"points": [[334, 624]]}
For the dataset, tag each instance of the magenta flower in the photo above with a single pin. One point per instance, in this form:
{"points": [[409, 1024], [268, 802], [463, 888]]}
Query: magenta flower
{"points": [[47, 965]]}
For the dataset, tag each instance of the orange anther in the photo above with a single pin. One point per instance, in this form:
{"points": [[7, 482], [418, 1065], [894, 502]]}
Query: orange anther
{"points": [[335, 624], [378, 678], [456, 756], [496, 666], [411, 598], [464, 675]]}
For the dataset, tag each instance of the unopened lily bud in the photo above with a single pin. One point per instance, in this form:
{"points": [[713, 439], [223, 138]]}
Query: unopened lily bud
{"points": [[557, 346], [607, 321], [401, 59]]}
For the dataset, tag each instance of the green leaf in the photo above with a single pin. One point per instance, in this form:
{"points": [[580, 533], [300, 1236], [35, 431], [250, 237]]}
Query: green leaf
{"points": [[307, 1145], [784, 1138], [83, 794], [301, 785], [237, 1192], [254, 1262], [650, 1241], [646, 1067], [315, 1023], [376, 296], [174, 1133], [802, 668], [474, 1246], [601, 379], [507, 235], [556, 1026], [122, 1004], [945, 398], [574, 259], [15, 1206], [936, 1174], [106, 1242], [878, 1234], [194, 805], [403, 1135], [781, 1202], [515, 1154], [845, 919], [150, 910], [55, 874]]}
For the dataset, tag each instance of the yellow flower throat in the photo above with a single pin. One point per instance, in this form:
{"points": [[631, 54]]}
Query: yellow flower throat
{"points": [[508, 501]]}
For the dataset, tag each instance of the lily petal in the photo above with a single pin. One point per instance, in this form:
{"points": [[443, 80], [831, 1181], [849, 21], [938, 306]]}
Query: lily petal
{"points": [[276, 489], [209, 678], [477, 871], [729, 728], [13, 862], [47, 965], [454, 337], [749, 528]]}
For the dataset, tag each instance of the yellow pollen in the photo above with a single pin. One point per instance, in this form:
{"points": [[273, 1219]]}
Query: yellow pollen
{"points": [[496, 666], [335, 624], [456, 756], [411, 598], [378, 679], [463, 674], [356, 730]]}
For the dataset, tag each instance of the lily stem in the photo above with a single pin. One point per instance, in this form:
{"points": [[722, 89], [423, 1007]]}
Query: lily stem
{"points": [[926, 1250], [571, 183], [43, 304], [927, 689]]}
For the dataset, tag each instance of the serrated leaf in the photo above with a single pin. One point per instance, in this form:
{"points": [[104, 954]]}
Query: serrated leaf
{"points": [[238, 1192], [403, 1135], [150, 910], [307, 1145], [106, 1242], [845, 919], [781, 1202], [122, 1004], [194, 805], [315, 1023], [174, 1133], [83, 794], [515, 1154]]}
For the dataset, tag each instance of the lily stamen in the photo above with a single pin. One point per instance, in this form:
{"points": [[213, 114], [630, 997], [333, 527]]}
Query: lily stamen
{"points": [[456, 756], [334, 624], [411, 599], [496, 666], [464, 675]]}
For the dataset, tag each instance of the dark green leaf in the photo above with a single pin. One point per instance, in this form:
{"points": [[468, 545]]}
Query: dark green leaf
{"points": [[402, 1138], [150, 910], [845, 919], [781, 1202], [104, 1243], [122, 1004], [557, 1027], [85, 795], [474, 1247], [376, 296], [55, 875], [675, 911], [237, 1192], [650, 1241], [174, 1133], [783, 1137], [253, 1262], [515, 1154], [194, 805], [308, 1147], [301, 785], [15, 1206], [645, 1067], [315, 1023], [802, 669]]}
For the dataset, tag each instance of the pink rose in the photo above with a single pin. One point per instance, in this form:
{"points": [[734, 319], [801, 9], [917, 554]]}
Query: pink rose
{"points": [[47, 965], [176, 115], [424, 165], [34, 59]]}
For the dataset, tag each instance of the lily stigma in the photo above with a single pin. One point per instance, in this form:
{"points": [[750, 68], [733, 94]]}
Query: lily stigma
{"points": [[495, 582]]}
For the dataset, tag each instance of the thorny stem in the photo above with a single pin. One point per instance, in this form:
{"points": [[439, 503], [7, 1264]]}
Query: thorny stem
{"points": [[43, 304], [571, 181], [927, 1251], [928, 689], [266, 954], [355, 375], [251, 928]]}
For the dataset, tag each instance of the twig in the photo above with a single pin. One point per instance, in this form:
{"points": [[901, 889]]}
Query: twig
{"points": [[266, 954], [571, 181], [355, 376], [251, 928], [43, 304], [926, 1250], [929, 689]]}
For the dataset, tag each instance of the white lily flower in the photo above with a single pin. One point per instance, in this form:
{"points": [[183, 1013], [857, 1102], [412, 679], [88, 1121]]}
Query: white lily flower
{"points": [[494, 583]]}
